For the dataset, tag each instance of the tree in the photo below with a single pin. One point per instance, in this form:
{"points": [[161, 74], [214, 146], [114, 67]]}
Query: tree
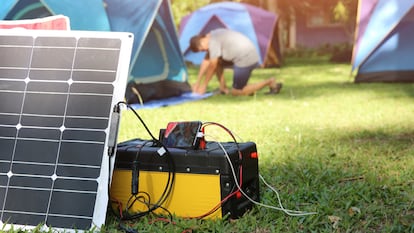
{"points": [[181, 8], [342, 12], [345, 12]]}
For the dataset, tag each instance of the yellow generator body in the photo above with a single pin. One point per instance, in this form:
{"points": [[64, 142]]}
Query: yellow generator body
{"points": [[203, 180]]}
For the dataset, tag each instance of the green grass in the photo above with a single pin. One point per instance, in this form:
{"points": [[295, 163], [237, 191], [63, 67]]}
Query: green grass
{"points": [[328, 145]]}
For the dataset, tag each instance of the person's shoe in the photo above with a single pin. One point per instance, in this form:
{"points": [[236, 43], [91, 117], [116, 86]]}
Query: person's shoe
{"points": [[275, 90]]}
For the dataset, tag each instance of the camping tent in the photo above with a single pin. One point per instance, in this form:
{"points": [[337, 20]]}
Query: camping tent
{"points": [[156, 64], [56, 22], [257, 24], [383, 46]]}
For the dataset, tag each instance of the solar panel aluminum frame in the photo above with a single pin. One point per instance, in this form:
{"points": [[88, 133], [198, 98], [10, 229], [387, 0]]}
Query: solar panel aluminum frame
{"points": [[91, 56]]}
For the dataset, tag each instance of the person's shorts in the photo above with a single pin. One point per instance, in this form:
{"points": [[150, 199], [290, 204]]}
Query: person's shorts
{"points": [[241, 76]]}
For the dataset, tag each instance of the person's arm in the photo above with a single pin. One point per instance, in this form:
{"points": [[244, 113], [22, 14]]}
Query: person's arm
{"points": [[222, 82], [209, 73], [203, 67]]}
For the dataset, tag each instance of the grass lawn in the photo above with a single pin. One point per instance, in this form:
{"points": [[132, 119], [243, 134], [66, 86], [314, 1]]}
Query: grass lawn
{"points": [[343, 150]]}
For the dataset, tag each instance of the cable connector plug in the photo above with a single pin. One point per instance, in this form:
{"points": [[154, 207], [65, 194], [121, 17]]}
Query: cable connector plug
{"points": [[135, 178], [202, 140]]}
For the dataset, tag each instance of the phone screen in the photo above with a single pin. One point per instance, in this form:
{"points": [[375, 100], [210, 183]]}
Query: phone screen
{"points": [[182, 134]]}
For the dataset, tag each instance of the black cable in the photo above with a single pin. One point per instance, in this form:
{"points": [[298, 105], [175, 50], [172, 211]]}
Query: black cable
{"points": [[170, 216], [140, 119], [137, 197], [171, 173], [135, 170], [166, 193]]}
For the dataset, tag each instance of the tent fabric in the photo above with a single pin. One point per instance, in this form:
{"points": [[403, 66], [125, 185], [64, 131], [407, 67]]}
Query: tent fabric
{"points": [[383, 43], [75, 10], [155, 91], [155, 55], [259, 25], [57, 22], [156, 61]]}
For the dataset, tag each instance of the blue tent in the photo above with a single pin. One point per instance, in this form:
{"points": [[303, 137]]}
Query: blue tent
{"points": [[259, 25], [383, 47], [157, 67]]}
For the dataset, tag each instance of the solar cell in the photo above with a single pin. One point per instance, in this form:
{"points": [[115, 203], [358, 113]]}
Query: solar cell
{"points": [[57, 91]]}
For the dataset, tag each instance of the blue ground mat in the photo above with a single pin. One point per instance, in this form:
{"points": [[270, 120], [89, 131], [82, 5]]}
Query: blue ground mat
{"points": [[185, 97]]}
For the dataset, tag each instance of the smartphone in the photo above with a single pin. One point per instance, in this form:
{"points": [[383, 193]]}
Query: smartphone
{"points": [[182, 134]]}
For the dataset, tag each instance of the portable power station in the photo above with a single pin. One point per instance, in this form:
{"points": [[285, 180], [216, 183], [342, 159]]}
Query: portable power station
{"points": [[204, 179]]}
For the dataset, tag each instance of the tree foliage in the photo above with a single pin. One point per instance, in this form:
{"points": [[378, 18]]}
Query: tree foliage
{"points": [[341, 11], [181, 8], [344, 11]]}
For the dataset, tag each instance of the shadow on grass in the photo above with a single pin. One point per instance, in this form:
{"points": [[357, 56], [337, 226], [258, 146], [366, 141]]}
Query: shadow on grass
{"points": [[333, 88], [313, 78], [365, 182], [325, 89], [329, 76]]}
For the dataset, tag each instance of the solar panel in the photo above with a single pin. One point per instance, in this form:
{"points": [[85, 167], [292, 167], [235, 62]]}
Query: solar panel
{"points": [[57, 92]]}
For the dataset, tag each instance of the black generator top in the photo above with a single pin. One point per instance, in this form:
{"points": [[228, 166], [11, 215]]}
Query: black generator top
{"points": [[211, 160]]}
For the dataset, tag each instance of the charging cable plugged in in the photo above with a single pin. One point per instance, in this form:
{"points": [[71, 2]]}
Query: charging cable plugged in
{"points": [[202, 142]]}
